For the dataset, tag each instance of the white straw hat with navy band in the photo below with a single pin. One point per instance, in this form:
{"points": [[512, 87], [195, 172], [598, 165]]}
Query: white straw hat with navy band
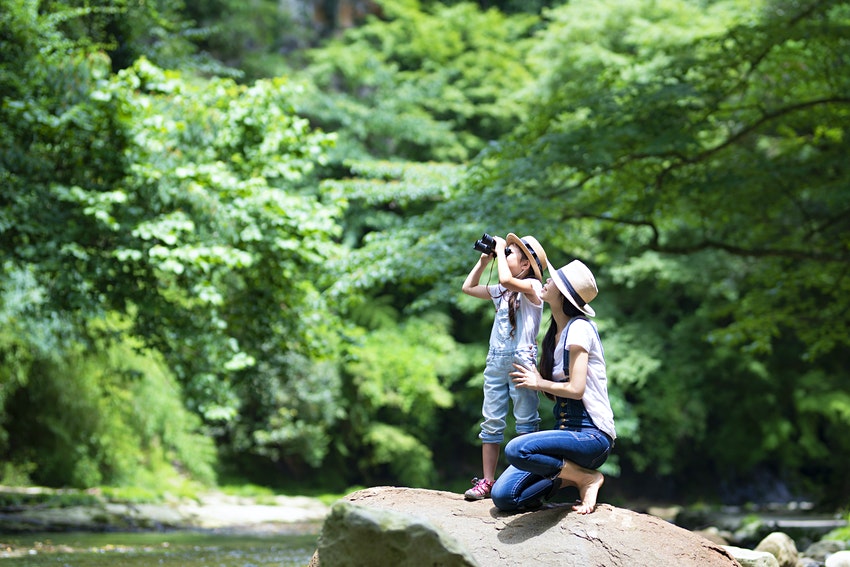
{"points": [[532, 250], [578, 285]]}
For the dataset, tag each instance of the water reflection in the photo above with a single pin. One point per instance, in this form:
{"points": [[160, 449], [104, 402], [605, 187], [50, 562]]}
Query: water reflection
{"points": [[179, 548]]}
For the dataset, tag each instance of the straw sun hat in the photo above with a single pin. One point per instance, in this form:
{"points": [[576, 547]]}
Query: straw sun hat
{"points": [[532, 250], [578, 285]]}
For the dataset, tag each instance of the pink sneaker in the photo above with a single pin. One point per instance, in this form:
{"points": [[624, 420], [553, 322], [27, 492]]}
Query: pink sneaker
{"points": [[480, 489]]}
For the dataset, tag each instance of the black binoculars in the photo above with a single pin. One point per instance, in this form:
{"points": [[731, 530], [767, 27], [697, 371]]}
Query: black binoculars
{"points": [[485, 244]]}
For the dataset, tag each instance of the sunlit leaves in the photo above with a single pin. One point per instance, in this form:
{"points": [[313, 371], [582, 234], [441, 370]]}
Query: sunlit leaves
{"points": [[402, 374], [408, 458], [184, 204], [428, 84]]}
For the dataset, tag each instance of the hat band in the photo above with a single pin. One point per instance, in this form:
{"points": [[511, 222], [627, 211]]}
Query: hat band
{"points": [[533, 254], [573, 293]]}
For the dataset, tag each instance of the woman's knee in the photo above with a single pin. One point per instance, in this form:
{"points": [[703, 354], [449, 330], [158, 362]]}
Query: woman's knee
{"points": [[513, 450], [503, 498]]}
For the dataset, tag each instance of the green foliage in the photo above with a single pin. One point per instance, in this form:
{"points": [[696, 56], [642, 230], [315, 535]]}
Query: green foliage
{"points": [[406, 457], [11, 498], [507, 6], [126, 30], [399, 378], [673, 151], [120, 421], [435, 84], [839, 534], [295, 414], [181, 204], [247, 37], [295, 285], [214, 213], [697, 173]]}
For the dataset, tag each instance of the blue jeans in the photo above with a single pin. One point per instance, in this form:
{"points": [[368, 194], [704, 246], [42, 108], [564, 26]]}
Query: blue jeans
{"points": [[537, 458], [499, 388]]}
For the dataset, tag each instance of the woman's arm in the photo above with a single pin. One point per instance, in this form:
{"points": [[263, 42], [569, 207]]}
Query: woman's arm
{"points": [[530, 378]]}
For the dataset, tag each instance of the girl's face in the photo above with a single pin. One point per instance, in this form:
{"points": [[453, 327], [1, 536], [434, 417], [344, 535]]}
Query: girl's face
{"points": [[516, 261]]}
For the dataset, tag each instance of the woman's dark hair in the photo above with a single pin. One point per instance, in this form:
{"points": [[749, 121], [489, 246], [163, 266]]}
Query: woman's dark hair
{"points": [[547, 350]]}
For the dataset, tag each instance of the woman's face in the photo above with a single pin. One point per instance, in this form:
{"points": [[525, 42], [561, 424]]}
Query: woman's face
{"points": [[550, 293]]}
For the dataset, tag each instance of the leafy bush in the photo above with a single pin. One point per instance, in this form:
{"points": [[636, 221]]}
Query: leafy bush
{"points": [[116, 417]]}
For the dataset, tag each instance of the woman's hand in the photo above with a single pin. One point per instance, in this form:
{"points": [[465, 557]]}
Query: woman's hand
{"points": [[525, 377]]}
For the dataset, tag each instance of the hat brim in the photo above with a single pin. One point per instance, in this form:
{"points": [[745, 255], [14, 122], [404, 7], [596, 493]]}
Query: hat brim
{"points": [[512, 238], [558, 278]]}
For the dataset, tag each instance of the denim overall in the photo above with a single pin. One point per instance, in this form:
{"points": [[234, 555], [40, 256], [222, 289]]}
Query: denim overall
{"points": [[499, 389]]}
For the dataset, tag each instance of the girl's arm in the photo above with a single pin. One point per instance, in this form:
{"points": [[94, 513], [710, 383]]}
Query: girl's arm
{"points": [[471, 285], [507, 279], [530, 378]]}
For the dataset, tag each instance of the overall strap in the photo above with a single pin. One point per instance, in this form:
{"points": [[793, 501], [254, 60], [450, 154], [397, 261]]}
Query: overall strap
{"points": [[566, 350], [568, 412]]}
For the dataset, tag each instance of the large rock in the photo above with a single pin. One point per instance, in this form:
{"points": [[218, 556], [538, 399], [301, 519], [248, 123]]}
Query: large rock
{"points": [[477, 533], [361, 535]]}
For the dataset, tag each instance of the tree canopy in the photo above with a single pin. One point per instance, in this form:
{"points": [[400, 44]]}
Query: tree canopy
{"points": [[263, 274]]}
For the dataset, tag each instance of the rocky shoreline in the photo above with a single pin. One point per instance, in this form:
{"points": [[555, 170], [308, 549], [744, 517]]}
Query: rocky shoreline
{"points": [[209, 511], [391, 525], [38, 510]]}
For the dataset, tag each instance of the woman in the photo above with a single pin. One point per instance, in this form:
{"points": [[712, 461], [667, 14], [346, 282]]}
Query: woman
{"points": [[542, 462]]}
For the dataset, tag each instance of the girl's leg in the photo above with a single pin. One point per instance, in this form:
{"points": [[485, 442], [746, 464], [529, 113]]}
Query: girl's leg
{"points": [[490, 458], [541, 453], [526, 414], [494, 409], [481, 487], [525, 402]]}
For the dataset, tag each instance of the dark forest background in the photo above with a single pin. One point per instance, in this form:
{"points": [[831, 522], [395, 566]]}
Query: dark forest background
{"points": [[234, 233]]}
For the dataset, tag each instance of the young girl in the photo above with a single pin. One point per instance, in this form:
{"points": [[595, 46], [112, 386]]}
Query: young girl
{"points": [[513, 339], [572, 371]]}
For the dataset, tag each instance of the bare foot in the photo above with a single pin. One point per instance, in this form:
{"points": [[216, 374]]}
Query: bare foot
{"points": [[588, 483], [588, 491]]}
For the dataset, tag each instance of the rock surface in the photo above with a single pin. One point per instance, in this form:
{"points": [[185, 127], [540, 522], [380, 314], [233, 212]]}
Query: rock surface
{"points": [[782, 547], [838, 559], [752, 558], [392, 538], [552, 535]]}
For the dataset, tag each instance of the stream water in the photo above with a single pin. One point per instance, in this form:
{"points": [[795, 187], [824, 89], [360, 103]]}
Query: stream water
{"points": [[168, 549]]}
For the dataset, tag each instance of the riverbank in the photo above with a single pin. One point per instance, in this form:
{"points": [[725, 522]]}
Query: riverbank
{"points": [[35, 509], [44, 513]]}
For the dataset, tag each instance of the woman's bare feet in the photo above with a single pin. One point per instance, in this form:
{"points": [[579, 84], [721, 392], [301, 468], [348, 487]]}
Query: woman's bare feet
{"points": [[588, 483]]}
